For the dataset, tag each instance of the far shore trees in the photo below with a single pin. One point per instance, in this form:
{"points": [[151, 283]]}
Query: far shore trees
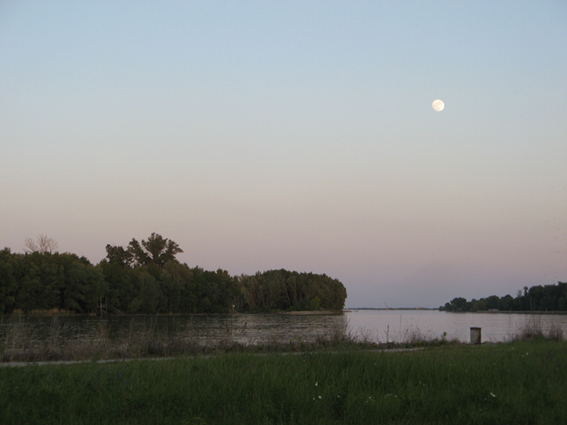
{"points": [[45, 281], [146, 278], [285, 290], [536, 298]]}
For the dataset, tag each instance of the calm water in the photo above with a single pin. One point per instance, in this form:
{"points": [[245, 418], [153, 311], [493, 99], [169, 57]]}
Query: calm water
{"points": [[397, 325], [377, 325]]}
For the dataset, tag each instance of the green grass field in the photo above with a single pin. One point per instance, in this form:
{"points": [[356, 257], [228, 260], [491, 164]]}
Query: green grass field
{"points": [[509, 383]]}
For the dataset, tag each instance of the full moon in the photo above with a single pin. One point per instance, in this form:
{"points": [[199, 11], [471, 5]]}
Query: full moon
{"points": [[438, 105]]}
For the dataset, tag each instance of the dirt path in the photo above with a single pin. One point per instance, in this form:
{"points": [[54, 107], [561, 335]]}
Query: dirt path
{"points": [[156, 359]]}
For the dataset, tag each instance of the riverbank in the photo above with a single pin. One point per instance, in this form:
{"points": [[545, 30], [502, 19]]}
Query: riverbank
{"points": [[67, 313], [28, 341], [312, 312], [36, 339], [520, 382]]}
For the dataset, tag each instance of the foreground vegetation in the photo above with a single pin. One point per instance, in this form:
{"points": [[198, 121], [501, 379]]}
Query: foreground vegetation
{"points": [[146, 278], [520, 383]]}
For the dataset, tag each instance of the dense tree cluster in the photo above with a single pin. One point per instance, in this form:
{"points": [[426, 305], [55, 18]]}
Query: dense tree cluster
{"points": [[37, 281], [146, 278], [285, 290], [536, 298]]}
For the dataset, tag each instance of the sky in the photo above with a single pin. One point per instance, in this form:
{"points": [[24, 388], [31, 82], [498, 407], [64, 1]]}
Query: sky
{"points": [[263, 135]]}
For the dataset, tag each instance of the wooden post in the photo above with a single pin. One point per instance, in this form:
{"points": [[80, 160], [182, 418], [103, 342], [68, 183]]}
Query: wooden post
{"points": [[476, 335]]}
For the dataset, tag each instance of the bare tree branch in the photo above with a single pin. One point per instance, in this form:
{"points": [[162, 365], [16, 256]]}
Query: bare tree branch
{"points": [[30, 245], [43, 244]]}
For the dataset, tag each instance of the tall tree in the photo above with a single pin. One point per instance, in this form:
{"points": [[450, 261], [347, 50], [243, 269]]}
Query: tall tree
{"points": [[119, 255], [156, 249]]}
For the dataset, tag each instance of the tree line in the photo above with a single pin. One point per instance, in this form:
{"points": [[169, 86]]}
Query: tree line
{"points": [[535, 298], [285, 290], [146, 278]]}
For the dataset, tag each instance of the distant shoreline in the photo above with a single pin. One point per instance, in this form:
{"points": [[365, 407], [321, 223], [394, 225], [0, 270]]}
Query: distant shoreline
{"points": [[348, 310], [59, 313], [52, 313], [509, 312], [312, 313], [387, 309]]}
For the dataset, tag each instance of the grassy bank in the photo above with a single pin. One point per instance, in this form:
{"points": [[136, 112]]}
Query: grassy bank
{"points": [[520, 382]]}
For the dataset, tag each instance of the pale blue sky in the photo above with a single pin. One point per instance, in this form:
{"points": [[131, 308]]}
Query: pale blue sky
{"points": [[295, 134]]}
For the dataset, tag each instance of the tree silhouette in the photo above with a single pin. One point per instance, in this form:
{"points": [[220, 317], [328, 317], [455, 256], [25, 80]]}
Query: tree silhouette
{"points": [[156, 250]]}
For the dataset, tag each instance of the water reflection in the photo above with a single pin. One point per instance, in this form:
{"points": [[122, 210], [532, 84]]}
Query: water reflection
{"points": [[375, 325], [243, 328]]}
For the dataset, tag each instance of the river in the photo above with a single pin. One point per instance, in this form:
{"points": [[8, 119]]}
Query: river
{"points": [[374, 325], [400, 325]]}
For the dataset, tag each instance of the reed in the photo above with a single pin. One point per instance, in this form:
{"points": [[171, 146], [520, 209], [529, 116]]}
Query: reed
{"points": [[27, 341], [534, 328]]}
